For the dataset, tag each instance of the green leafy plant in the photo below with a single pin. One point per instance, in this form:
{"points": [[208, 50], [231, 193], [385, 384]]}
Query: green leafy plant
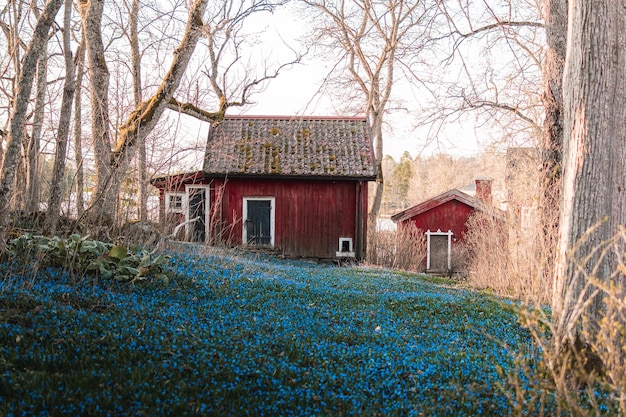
{"points": [[81, 255]]}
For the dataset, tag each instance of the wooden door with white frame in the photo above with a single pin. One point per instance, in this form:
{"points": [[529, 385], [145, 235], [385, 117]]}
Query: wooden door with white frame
{"points": [[197, 207]]}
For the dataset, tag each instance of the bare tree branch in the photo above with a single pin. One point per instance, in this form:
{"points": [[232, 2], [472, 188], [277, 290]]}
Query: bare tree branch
{"points": [[16, 132], [147, 114], [195, 111], [501, 106]]}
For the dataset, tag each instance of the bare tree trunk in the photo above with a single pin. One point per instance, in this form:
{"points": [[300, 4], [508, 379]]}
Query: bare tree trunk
{"points": [[112, 166], [58, 171], [143, 180], [91, 17], [78, 145], [14, 47], [3, 134], [555, 12], [19, 183], [33, 143], [377, 131], [594, 170], [555, 15], [141, 143], [20, 107]]}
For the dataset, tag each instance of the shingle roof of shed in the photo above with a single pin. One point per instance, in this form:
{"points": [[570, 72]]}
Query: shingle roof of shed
{"points": [[291, 146]]}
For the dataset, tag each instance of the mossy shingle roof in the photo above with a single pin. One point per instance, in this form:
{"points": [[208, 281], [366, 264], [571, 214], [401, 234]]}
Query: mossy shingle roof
{"points": [[291, 146]]}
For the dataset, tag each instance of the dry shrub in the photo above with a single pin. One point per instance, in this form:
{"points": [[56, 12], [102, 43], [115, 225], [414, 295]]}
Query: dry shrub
{"points": [[522, 266], [459, 260], [404, 248], [488, 264], [140, 233], [585, 370], [508, 258], [610, 343]]}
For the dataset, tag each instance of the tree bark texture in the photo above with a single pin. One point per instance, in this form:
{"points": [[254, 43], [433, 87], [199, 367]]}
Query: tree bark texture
{"points": [[555, 12], [33, 143], [18, 116], [142, 187], [142, 120], [555, 15], [594, 155], [63, 132], [14, 46], [91, 17], [376, 122], [77, 132]]}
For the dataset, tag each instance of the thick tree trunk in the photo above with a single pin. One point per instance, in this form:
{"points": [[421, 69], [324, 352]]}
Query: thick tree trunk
{"points": [[18, 116], [58, 171], [114, 164], [555, 14], [594, 174], [103, 205]]}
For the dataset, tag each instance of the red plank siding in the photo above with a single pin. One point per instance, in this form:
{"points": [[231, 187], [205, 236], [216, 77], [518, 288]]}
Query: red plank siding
{"points": [[310, 215], [451, 215]]}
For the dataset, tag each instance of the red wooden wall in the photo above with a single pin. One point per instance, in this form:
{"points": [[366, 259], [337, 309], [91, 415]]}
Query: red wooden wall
{"points": [[451, 215], [310, 217]]}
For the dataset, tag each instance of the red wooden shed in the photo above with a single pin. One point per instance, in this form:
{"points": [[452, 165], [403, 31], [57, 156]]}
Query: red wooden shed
{"points": [[443, 219], [295, 184]]}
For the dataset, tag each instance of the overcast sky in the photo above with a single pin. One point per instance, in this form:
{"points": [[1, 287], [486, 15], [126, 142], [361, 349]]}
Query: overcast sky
{"points": [[294, 93]]}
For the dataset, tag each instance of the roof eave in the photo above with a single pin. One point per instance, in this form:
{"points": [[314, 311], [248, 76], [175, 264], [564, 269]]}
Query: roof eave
{"points": [[436, 201], [291, 176]]}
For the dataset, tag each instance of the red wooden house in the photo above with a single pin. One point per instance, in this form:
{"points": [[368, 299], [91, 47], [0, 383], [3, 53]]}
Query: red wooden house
{"points": [[443, 219], [294, 184]]}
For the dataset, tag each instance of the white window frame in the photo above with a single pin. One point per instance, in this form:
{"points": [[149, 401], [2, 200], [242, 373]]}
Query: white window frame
{"points": [[244, 229], [439, 233], [168, 202], [343, 254]]}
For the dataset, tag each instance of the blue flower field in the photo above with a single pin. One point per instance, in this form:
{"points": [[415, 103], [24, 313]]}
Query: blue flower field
{"points": [[250, 335]]}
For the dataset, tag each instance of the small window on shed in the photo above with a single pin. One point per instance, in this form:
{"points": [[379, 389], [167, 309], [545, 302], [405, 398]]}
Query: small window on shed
{"points": [[174, 202], [345, 248]]}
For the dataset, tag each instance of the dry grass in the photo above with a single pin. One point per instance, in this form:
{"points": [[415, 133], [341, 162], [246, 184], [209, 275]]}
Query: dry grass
{"points": [[404, 248], [489, 263], [508, 259], [583, 365]]}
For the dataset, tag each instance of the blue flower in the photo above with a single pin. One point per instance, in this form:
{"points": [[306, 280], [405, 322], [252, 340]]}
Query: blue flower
{"points": [[249, 334]]}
